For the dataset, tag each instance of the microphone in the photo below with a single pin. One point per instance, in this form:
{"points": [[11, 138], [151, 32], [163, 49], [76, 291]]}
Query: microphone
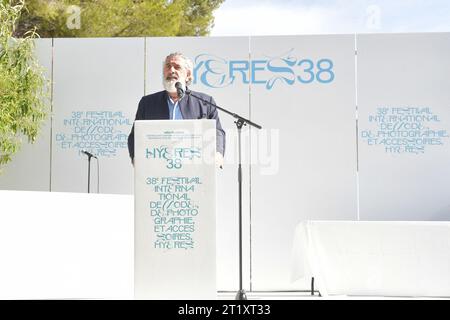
{"points": [[88, 154], [181, 89]]}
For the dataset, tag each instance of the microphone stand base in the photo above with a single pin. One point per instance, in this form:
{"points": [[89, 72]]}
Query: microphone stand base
{"points": [[241, 295]]}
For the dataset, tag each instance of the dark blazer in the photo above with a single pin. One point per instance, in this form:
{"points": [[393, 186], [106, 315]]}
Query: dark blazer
{"points": [[154, 107]]}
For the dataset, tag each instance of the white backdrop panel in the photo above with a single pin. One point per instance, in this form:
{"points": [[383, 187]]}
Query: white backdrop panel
{"points": [[97, 85], [306, 169], [30, 167], [213, 58], [404, 125]]}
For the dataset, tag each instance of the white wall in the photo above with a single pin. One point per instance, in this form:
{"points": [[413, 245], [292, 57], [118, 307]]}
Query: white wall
{"points": [[66, 245], [302, 165]]}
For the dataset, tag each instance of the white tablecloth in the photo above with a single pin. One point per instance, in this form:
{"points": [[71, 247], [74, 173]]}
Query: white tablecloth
{"points": [[374, 258]]}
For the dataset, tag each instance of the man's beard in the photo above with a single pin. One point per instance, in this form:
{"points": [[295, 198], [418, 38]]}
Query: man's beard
{"points": [[169, 85]]}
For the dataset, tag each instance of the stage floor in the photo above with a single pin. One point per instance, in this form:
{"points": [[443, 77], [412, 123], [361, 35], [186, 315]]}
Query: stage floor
{"points": [[272, 295]]}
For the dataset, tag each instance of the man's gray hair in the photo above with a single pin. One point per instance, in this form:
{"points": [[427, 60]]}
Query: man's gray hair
{"points": [[187, 64]]}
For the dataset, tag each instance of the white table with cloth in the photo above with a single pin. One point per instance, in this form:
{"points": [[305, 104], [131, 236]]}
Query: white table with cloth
{"points": [[374, 258]]}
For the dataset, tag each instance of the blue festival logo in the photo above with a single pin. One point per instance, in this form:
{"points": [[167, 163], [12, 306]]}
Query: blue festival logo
{"points": [[173, 156], [217, 72]]}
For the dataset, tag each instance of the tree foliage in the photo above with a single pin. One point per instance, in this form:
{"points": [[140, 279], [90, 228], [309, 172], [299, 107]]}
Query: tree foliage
{"points": [[118, 18], [23, 90]]}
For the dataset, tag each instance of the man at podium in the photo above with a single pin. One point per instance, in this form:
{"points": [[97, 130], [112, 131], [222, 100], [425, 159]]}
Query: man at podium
{"points": [[169, 104]]}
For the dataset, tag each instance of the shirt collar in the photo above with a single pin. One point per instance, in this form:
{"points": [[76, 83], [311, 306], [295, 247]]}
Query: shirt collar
{"points": [[170, 99]]}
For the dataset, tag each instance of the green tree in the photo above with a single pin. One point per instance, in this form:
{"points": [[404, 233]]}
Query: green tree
{"points": [[118, 18], [23, 95]]}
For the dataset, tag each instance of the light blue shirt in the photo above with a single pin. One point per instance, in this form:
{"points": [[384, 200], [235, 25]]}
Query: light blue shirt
{"points": [[174, 109]]}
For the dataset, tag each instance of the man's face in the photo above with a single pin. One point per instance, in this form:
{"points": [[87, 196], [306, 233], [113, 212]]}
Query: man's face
{"points": [[174, 71]]}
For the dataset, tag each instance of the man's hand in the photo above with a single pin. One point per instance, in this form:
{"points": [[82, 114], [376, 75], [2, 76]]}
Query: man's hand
{"points": [[219, 160]]}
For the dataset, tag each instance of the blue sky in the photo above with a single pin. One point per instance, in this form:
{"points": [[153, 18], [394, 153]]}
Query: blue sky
{"points": [[288, 17]]}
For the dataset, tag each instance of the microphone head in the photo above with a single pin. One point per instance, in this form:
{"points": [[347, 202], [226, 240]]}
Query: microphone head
{"points": [[179, 85], [181, 88], [88, 154]]}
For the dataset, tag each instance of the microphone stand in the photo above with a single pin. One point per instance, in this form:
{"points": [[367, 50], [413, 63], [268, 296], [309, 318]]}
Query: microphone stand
{"points": [[240, 122], [89, 173], [89, 168]]}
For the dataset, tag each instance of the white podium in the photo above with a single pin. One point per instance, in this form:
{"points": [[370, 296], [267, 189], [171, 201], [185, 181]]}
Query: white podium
{"points": [[175, 207]]}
